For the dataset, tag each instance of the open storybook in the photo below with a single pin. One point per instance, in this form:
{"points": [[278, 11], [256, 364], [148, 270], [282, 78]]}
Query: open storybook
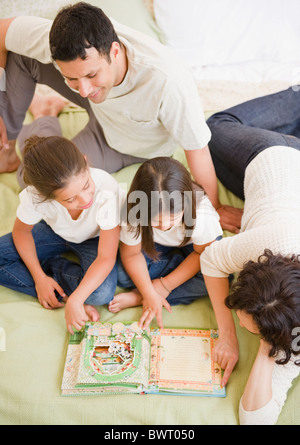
{"points": [[120, 358]]}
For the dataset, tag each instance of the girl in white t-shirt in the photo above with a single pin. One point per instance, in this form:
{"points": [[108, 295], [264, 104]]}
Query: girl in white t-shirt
{"points": [[67, 206], [169, 222]]}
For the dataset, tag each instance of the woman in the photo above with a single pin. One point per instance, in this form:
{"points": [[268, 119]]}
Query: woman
{"points": [[270, 221]]}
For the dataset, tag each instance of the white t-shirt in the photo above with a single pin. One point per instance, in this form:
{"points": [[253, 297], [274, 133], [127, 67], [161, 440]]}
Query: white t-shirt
{"points": [[207, 228], [153, 111], [104, 213]]}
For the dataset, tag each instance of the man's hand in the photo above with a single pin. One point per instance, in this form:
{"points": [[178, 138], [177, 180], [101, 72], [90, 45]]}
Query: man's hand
{"points": [[230, 218]]}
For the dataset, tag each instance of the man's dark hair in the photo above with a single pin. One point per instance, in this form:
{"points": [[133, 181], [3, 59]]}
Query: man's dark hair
{"points": [[269, 290], [79, 27]]}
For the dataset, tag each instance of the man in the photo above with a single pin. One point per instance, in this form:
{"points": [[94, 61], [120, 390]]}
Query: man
{"points": [[142, 102]]}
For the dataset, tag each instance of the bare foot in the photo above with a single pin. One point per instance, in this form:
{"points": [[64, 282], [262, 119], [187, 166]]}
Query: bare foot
{"points": [[9, 160], [46, 106], [92, 312], [125, 300]]}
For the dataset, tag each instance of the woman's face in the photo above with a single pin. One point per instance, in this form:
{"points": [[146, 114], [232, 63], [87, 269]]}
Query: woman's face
{"points": [[247, 322]]}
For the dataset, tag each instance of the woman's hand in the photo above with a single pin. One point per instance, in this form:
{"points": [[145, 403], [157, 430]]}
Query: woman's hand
{"points": [[45, 289], [226, 354], [75, 315]]}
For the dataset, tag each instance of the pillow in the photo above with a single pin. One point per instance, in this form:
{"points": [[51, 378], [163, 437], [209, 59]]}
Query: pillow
{"points": [[133, 13], [214, 32], [39, 8]]}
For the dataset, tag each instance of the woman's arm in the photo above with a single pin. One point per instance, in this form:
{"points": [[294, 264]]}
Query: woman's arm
{"points": [[135, 265], [258, 390], [45, 286], [101, 267], [227, 348]]}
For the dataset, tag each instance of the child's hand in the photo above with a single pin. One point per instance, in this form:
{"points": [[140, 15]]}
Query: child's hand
{"points": [[45, 289], [75, 315], [152, 307]]}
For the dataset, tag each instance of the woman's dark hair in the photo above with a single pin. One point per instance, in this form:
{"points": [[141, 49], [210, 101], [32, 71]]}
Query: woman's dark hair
{"points": [[79, 27], [164, 185], [49, 163], [269, 290]]}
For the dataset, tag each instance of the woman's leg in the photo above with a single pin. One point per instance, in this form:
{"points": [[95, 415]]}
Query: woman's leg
{"points": [[241, 132]]}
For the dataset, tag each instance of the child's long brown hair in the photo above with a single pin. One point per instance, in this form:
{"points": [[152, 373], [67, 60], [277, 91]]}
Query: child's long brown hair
{"points": [[49, 163], [162, 174]]}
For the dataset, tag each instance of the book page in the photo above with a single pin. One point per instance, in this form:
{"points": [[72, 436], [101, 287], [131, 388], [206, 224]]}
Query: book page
{"points": [[185, 358], [181, 361]]}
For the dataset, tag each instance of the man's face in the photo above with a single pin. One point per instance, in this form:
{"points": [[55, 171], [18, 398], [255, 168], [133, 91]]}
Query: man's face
{"points": [[94, 76]]}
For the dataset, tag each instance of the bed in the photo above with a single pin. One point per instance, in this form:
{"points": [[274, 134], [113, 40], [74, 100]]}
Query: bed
{"points": [[33, 341]]}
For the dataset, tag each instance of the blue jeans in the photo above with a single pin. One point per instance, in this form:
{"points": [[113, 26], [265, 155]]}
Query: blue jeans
{"points": [[67, 273], [241, 132], [169, 259]]}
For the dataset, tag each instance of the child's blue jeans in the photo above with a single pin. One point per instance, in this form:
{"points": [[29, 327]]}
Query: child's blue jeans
{"points": [[187, 292], [67, 273]]}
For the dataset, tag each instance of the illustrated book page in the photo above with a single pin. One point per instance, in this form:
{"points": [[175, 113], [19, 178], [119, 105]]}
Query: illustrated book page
{"points": [[107, 359], [181, 362]]}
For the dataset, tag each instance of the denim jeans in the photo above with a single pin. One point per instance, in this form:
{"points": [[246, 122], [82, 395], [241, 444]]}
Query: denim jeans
{"points": [[169, 259], [241, 132], [67, 273]]}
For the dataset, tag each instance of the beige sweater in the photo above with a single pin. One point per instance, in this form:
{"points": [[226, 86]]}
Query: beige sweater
{"points": [[271, 220], [271, 214]]}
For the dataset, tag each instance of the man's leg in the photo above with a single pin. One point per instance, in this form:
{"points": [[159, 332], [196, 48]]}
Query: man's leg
{"points": [[241, 132], [91, 142], [22, 75]]}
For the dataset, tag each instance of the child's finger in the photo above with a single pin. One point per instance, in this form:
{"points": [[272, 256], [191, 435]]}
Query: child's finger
{"points": [[146, 318], [167, 306], [59, 289]]}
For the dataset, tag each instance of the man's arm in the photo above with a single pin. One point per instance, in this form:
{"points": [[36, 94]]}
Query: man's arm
{"points": [[203, 171], [4, 25]]}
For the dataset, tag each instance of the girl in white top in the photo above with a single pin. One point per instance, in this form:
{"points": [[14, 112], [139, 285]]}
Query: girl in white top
{"points": [[269, 298], [165, 211], [66, 207]]}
